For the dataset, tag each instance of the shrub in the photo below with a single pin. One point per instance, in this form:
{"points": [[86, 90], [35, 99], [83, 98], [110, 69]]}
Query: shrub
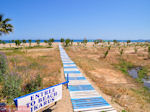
{"points": [[67, 42], [128, 41], [3, 65], [38, 42], [149, 52], [12, 86], [135, 50], [115, 41], [30, 41], [34, 85], [85, 42], [62, 40], [109, 47], [106, 53], [50, 41], [121, 52], [17, 42], [96, 42], [71, 42]]}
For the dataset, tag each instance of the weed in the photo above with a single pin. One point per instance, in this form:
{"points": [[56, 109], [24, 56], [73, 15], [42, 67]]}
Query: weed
{"points": [[3, 65], [67, 42], [121, 52], [149, 52], [124, 66], [34, 85], [135, 50], [12, 86], [142, 73], [106, 53]]}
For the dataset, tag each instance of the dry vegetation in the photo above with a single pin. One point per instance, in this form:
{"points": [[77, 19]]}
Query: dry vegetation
{"points": [[28, 65], [123, 89]]}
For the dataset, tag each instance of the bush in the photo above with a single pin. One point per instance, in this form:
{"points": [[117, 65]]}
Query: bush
{"points": [[3, 65], [67, 42], [34, 85], [12, 86], [149, 52], [62, 40], [121, 52], [106, 53]]}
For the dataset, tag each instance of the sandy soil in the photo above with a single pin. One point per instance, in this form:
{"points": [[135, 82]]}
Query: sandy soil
{"points": [[8, 45], [65, 104], [106, 97], [115, 86]]}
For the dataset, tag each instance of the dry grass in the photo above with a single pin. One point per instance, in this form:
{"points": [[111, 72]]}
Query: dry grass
{"points": [[122, 88], [45, 62]]}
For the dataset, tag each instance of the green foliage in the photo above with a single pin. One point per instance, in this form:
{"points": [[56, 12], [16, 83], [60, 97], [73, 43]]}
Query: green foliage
{"points": [[123, 111], [71, 42], [45, 41], [30, 41], [142, 73], [5, 27], [124, 66], [96, 42], [67, 42], [149, 52], [38, 42], [12, 41], [24, 41], [128, 41], [109, 47], [115, 41], [50, 41], [121, 52], [17, 42], [106, 53], [34, 85], [12, 86], [3, 42], [3, 66], [62, 40], [135, 49]]}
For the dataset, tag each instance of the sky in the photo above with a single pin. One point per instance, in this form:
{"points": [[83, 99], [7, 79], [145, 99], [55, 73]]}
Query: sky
{"points": [[77, 19]]}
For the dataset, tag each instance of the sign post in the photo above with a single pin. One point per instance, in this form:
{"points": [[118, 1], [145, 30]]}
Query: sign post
{"points": [[37, 100]]}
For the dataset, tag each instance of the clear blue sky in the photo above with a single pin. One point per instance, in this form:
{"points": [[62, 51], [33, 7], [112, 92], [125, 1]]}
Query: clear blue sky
{"points": [[76, 19]]}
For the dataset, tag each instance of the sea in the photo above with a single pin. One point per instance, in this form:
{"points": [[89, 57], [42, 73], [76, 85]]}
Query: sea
{"points": [[34, 41]]}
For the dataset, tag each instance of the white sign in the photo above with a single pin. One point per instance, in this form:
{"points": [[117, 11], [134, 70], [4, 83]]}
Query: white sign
{"points": [[37, 100]]}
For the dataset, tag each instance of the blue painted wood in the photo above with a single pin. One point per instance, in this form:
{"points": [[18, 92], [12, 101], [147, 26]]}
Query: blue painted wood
{"points": [[88, 101], [77, 78], [70, 67], [80, 87], [68, 63], [76, 72]]}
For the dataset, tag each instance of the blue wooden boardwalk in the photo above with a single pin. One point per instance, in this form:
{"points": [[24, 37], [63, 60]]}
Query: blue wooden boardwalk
{"points": [[84, 97]]}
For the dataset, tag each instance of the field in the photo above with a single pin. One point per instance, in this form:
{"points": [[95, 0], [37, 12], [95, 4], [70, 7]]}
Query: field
{"points": [[36, 68], [106, 65], [110, 74]]}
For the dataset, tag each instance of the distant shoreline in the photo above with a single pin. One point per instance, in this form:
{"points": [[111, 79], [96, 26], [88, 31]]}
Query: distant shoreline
{"points": [[74, 40]]}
